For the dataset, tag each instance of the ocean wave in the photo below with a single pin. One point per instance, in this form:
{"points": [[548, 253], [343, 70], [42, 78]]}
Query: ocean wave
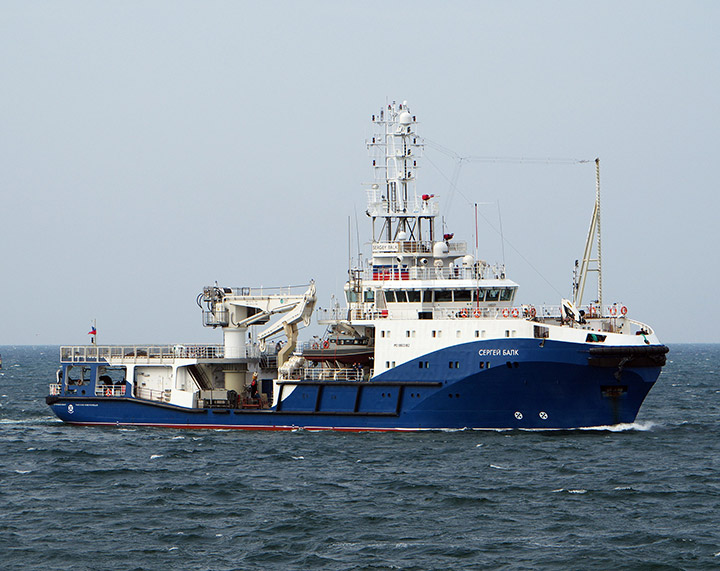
{"points": [[640, 426], [498, 467], [31, 420]]}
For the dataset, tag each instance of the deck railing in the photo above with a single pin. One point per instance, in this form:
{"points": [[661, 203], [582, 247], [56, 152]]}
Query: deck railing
{"points": [[143, 353], [152, 394], [469, 312], [331, 374], [110, 390]]}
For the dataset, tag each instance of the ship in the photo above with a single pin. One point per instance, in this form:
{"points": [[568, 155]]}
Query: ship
{"points": [[430, 337]]}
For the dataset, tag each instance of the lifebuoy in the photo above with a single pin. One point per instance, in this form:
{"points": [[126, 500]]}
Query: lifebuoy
{"points": [[464, 313], [515, 312], [326, 344], [477, 313], [613, 310], [623, 310], [506, 312], [108, 392], [533, 313]]}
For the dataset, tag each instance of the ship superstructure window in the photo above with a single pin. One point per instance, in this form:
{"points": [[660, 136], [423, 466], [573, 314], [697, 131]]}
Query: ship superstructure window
{"points": [[351, 296], [463, 295], [369, 296], [413, 296], [424, 364], [395, 296], [507, 294], [443, 295], [492, 295]]}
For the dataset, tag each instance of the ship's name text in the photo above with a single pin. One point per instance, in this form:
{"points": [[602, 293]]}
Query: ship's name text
{"points": [[496, 352]]}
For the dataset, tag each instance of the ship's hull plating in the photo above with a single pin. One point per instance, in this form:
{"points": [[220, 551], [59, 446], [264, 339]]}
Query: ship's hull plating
{"points": [[499, 384]]}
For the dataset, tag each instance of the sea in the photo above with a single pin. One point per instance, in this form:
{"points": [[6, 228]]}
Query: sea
{"points": [[640, 496]]}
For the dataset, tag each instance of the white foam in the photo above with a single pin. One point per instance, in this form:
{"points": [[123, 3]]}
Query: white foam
{"points": [[498, 467], [23, 471], [298, 457], [156, 456], [625, 427]]}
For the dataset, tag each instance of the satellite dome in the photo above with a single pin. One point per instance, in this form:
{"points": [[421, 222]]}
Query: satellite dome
{"points": [[440, 249]]}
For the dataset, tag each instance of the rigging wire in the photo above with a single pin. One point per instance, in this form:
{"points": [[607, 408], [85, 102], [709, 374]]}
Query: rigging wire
{"points": [[513, 160]]}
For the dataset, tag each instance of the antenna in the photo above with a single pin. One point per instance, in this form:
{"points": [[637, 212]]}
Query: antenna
{"points": [[349, 246], [502, 237], [357, 239]]}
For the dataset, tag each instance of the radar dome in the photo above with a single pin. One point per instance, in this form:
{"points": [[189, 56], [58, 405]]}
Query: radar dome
{"points": [[404, 118], [440, 249]]}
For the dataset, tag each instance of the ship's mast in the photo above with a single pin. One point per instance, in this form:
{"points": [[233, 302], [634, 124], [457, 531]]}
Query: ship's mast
{"points": [[398, 214], [593, 236]]}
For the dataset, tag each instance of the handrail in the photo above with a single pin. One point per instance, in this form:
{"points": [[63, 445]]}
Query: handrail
{"points": [[152, 394], [331, 374], [370, 312], [110, 390], [104, 353]]}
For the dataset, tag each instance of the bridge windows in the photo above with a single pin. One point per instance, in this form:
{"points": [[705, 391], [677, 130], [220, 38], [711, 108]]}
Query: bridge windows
{"points": [[414, 296], [463, 295]]}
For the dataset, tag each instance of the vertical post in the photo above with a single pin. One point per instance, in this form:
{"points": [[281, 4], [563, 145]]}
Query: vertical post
{"points": [[599, 250]]}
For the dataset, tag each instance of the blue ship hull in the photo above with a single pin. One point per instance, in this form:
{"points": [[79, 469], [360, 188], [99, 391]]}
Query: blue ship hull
{"points": [[498, 384]]}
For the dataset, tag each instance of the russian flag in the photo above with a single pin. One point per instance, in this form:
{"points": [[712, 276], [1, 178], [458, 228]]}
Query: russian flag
{"points": [[93, 331]]}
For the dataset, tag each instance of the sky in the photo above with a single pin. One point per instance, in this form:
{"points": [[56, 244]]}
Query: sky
{"points": [[148, 149]]}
